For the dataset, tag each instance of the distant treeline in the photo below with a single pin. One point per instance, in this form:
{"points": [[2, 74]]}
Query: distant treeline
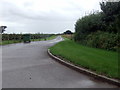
{"points": [[20, 36], [100, 29]]}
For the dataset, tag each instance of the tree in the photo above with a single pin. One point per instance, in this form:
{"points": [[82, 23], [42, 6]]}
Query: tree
{"points": [[2, 28], [110, 8], [88, 24], [68, 32]]}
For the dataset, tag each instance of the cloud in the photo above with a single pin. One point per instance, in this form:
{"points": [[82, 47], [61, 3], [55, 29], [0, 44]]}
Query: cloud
{"points": [[49, 16]]}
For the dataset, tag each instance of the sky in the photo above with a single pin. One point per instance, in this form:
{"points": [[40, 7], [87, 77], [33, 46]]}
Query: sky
{"points": [[44, 16]]}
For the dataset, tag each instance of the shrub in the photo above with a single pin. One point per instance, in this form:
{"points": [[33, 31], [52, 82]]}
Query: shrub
{"points": [[100, 30], [103, 40]]}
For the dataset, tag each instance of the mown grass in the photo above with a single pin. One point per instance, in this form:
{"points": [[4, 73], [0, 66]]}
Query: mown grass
{"points": [[98, 60], [18, 41], [9, 42]]}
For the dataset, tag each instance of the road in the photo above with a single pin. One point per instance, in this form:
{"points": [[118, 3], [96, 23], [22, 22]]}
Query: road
{"points": [[29, 66]]}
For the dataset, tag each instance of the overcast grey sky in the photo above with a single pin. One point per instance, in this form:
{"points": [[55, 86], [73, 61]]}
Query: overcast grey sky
{"points": [[43, 16]]}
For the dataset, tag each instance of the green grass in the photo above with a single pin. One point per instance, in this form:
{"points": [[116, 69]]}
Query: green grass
{"points": [[52, 37], [98, 60], [12, 41], [9, 42]]}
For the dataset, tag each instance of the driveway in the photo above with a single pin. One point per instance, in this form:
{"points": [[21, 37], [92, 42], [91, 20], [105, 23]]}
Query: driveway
{"points": [[29, 66]]}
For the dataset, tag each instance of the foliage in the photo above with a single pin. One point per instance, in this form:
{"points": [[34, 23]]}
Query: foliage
{"points": [[101, 29], [103, 40], [20, 36], [88, 24], [111, 11], [2, 28], [17, 38], [68, 32]]}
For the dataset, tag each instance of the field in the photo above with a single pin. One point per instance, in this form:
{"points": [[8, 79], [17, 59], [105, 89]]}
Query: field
{"points": [[48, 38], [18, 41], [9, 42], [98, 60]]}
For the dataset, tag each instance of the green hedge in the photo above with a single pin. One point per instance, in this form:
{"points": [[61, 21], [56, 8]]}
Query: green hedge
{"points": [[100, 29], [103, 40]]}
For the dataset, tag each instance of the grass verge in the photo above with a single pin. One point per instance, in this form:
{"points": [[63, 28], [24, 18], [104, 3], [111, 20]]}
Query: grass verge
{"points": [[98, 60]]}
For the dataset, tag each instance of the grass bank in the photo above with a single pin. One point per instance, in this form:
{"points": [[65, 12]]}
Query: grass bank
{"points": [[18, 41], [98, 60]]}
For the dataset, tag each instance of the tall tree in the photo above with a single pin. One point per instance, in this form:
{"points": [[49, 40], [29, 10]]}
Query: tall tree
{"points": [[2, 28]]}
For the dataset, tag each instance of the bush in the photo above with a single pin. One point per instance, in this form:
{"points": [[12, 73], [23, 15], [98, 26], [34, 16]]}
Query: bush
{"points": [[103, 40], [100, 30], [87, 25]]}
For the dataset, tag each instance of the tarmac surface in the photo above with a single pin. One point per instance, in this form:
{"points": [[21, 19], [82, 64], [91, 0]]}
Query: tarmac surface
{"points": [[29, 66]]}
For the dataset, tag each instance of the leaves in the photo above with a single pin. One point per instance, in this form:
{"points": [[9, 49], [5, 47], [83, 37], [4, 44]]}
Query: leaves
{"points": [[100, 29]]}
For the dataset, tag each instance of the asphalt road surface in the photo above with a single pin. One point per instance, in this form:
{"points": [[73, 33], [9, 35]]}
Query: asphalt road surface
{"points": [[29, 66]]}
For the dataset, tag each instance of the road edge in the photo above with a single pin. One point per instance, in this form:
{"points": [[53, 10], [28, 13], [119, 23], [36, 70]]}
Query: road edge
{"points": [[83, 70]]}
